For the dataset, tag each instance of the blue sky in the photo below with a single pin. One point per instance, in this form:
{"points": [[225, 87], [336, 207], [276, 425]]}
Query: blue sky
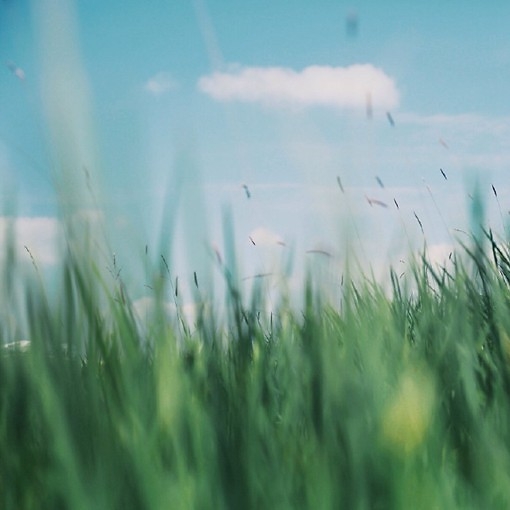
{"points": [[279, 96]]}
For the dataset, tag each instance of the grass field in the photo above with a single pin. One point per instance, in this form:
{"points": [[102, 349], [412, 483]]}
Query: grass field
{"points": [[391, 400]]}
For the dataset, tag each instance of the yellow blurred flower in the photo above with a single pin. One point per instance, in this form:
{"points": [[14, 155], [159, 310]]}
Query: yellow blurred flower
{"points": [[409, 413]]}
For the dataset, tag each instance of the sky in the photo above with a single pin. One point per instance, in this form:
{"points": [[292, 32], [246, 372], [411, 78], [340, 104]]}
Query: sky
{"points": [[319, 128]]}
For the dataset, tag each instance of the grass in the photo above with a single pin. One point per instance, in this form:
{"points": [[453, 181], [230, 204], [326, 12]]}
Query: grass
{"points": [[390, 401]]}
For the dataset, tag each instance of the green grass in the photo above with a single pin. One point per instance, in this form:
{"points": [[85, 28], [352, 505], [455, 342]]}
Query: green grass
{"points": [[392, 400]]}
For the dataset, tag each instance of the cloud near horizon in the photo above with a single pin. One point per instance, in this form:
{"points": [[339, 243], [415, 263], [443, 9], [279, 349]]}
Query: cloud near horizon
{"points": [[354, 87], [33, 236], [262, 236]]}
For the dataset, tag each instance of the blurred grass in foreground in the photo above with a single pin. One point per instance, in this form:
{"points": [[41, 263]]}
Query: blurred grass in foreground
{"points": [[391, 401]]}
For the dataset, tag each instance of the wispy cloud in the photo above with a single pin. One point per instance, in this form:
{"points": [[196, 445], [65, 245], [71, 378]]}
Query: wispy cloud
{"points": [[16, 71], [462, 120], [469, 140], [160, 84], [340, 87]]}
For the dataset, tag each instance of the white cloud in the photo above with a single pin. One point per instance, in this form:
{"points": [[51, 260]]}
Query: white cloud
{"points": [[40, 235], [146, 307], [160, 83], [264, 237], [339, 87]]}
